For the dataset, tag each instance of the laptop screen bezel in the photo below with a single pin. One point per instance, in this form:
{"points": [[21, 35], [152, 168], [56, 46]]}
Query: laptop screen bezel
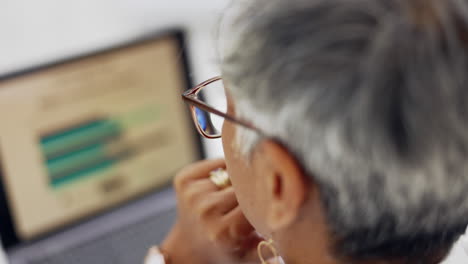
{"points": [[8, 235]]}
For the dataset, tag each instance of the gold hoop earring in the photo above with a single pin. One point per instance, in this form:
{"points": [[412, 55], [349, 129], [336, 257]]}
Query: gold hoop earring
{"points": [[268, 244]]}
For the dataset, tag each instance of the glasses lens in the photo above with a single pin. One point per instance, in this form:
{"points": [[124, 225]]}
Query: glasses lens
{"points": [[214, 96]]}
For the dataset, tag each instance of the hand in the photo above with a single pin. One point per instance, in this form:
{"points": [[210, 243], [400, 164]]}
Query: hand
{"points": [[210, 228]]}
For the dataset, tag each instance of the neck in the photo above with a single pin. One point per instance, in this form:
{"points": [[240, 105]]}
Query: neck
{"points": [[307, 240], [302, 255]]}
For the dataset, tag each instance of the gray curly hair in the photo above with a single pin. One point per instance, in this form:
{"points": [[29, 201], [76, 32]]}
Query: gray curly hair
{"points": [[371, 97]]}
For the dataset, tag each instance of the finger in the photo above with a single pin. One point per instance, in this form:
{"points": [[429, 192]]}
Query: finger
{"points": [[241, 246], [239, 226], [197, 190], [199, 170], [248, 249], [213, 206], [228, 200], [231, 230]]}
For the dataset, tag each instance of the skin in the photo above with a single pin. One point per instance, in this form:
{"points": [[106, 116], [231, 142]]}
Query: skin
{"points": [[269, 194], [279, 200]]}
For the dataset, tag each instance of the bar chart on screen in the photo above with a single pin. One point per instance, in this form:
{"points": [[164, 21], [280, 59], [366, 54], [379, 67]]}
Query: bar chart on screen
{"points": [[93, 147]]}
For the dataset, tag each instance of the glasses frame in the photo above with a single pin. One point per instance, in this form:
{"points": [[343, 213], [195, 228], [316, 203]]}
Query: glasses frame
{"points": [[191, 97]]}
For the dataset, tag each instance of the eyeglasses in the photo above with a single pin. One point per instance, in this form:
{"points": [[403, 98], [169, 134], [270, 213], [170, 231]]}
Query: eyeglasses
{"points": [[209, 119]]}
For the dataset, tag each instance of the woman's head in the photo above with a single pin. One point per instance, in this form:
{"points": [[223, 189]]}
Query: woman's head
{"points": [[364, 103]]}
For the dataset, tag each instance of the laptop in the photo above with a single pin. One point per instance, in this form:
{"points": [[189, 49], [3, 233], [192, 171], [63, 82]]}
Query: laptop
{"points": [[88, 150]]}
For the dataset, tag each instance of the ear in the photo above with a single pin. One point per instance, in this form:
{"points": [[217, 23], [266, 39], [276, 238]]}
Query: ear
{"points": [[285, 184]]}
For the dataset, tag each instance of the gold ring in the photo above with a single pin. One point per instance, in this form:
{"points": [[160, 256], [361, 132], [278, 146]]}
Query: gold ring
{"points": [[220, 178]]}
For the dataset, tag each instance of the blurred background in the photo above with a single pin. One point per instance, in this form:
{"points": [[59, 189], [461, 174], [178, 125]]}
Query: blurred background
{"points": [[53, 223], [36, 33]]}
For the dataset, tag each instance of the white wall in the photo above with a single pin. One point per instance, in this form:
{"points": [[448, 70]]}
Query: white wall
{"points": [[35, 31]]}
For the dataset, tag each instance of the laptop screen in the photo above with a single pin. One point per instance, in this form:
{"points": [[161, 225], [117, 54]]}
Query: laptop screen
{"points": [[82, 136]]}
